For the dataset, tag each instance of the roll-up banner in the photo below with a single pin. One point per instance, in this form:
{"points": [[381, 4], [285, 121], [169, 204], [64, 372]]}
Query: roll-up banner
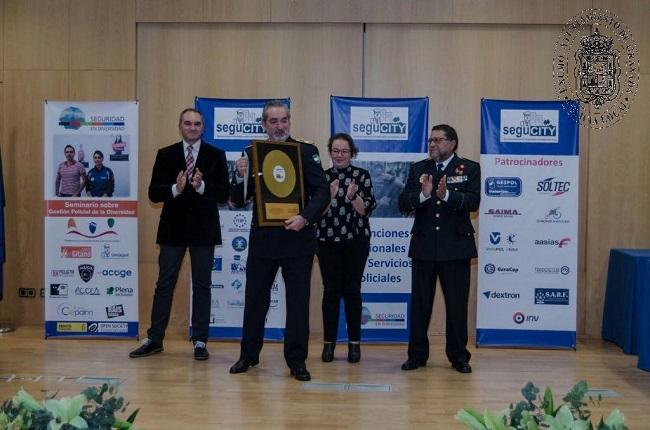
{"points": [[91, 218], [528, 224], [231, 124], [390, 134]]}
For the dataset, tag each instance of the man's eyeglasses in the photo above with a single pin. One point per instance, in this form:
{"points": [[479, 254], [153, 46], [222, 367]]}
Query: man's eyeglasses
{"points": [[439, 139], [340, 151]]}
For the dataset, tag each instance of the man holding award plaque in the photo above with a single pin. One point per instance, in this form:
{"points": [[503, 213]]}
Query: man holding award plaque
{"points": [[285, 179]]}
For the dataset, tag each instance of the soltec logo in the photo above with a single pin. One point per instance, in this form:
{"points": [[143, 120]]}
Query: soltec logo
{"points": [[238, 123], [379, 123], [553, 187], [535, 126]]}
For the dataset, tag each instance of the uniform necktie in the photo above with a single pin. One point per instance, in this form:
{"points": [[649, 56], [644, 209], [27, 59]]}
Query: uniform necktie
{"points": [[439, 166], [189, 160]]}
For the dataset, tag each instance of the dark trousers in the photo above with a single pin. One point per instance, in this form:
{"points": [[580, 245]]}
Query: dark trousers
{"points": [[342, 265], [169, 262], [260, 274], [454, 279]]}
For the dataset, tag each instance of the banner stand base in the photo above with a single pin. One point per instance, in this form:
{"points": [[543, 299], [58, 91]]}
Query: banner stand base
{"points": [[6, 329]]}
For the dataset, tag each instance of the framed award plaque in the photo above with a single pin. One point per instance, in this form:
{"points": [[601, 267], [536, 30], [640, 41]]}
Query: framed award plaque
{"points": [[279, 188]]}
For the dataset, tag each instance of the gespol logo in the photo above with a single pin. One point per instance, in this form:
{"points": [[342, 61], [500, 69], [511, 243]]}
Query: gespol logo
{"points": [[561, 243], [238, 123], [69, 311], [520, 318], [519, 125], [551, 186], [117, 273], [379, 123], [503, 187]]}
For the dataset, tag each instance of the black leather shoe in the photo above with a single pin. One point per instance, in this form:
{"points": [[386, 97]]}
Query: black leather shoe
{"points": [[412, 364], [301, 373], [462, 367], [148, 347], [328, 352], [354, 352], [242, 365], [201, 351]]}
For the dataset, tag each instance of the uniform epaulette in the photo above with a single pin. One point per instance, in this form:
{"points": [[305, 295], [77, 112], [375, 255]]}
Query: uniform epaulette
{"points": [[422, 161], [304, 141]]}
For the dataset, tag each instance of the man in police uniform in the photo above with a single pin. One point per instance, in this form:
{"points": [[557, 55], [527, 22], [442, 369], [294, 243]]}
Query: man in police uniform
{"points": [[442, 191], [290, 247]]}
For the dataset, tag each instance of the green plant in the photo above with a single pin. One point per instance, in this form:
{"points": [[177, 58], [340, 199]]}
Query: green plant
{"points": [[537, 412], [88, 410]]}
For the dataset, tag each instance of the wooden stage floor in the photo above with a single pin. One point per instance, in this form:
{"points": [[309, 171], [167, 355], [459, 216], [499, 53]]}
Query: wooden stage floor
{"points": [[174, 391]]}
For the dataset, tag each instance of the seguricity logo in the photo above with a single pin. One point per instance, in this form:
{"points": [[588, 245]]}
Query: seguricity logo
{"points": [[238, 123], [503, 187], [519, 125], [379, 123]]}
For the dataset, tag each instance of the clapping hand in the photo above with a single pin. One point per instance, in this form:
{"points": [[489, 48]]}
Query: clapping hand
{"points": [[334, 188]]}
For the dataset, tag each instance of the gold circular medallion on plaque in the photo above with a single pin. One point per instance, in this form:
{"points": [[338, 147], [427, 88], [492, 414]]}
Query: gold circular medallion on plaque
{"points": [[278, 173]]}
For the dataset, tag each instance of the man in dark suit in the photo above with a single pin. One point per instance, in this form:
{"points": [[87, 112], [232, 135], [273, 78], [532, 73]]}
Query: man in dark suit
{"points": [[290, 247], [190, 177], [442, 191]]}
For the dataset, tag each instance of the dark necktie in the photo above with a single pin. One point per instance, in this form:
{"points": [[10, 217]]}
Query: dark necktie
{"points": [[439, 166], [189, 160]]}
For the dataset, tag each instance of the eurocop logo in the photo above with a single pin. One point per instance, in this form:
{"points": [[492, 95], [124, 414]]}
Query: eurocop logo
{"points": [[489, 268], [503, 187], [535, 126], [239, 244], [238, 123], [551, 296], [379, 123]]}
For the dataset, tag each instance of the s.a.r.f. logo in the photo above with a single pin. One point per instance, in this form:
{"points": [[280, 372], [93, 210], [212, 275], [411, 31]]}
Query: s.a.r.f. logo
{"points": [[86, 272]]}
